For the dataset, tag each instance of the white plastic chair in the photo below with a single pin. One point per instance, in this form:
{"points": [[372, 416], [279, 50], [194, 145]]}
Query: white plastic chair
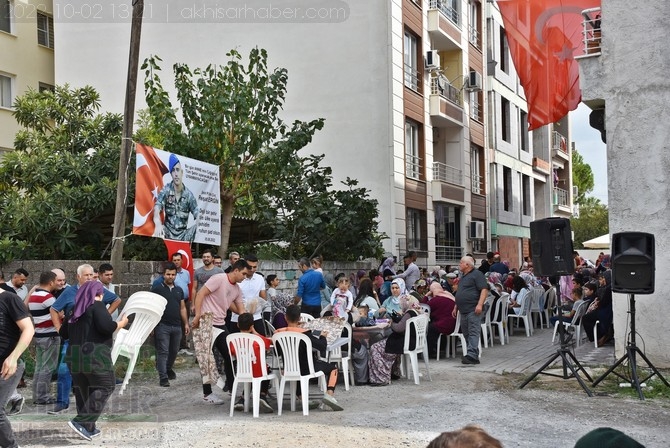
{"points": [[487, 328], [342, 356], [243, 344], [416, 326], [304, 317], [426, 309], [536, 305], [451, 340], [148, 309], [500, 319], [576, 323], [523, 315], [549, 302], [288, 344]]}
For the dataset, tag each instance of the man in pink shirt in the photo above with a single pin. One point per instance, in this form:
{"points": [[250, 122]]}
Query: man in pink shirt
{"points": [[219, 294]]}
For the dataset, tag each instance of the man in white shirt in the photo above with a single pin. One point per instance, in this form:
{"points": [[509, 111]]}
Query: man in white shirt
{"points": [[253, 294], [412, 273]]}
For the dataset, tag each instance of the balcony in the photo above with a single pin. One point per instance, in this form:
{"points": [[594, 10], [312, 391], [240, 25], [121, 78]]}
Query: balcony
{"points": [[561, 200], [591, 33], [444, 25], [445, 103], [448, 254], [447, 184], [445, 173], [559, 146], [541, 166]]}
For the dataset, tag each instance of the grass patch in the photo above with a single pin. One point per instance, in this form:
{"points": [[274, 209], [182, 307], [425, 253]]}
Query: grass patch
{"points": [[655, 388]]}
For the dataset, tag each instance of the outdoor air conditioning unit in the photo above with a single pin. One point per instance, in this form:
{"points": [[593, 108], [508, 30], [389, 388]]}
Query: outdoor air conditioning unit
{"points": [[477, 230], [432, 60], [474, 81], [575, 192]]}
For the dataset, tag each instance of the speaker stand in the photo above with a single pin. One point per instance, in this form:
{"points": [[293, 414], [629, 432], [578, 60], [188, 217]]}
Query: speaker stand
{"points": [[568, 359], [631, 350]]}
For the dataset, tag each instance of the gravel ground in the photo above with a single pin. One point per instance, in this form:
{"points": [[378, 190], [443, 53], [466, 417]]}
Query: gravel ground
{"points": [[548, 413]]}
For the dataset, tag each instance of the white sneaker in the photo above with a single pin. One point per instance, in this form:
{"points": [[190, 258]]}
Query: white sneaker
{"points": [[212, 399], [332, 403]]}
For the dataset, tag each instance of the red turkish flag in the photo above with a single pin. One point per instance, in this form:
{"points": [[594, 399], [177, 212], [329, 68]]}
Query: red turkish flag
{"points": [[149, 182], [544, 37], [184, 248]]}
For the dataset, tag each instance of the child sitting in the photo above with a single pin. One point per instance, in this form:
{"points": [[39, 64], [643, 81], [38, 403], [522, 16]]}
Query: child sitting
{"points": [[366, 320]]}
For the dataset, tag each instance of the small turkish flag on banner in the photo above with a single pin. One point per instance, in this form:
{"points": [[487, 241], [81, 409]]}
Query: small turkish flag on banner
{"points": [[184, 248], [544, 37], [149, 182]]}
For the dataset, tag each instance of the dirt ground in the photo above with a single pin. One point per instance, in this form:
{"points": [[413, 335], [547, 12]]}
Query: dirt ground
{"points": [[548, 413]]}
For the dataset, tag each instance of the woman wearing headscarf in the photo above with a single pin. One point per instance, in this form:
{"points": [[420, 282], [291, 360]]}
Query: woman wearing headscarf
{"points": [[385, 355], [90, 330], [441, 320], [392, 304], [386, 268]]}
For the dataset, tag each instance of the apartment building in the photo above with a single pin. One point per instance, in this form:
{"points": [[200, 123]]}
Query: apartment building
{"points": [[26, 57]]}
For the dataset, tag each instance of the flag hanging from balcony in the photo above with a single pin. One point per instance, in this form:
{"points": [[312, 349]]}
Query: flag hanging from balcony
{"points": [[544, 37]]}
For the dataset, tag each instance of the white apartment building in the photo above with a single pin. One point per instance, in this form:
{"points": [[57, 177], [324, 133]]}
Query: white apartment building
{"points": [[26, 57]]}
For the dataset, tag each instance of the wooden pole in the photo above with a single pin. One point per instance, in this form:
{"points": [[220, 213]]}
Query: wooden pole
{"points": [[126, 143]]}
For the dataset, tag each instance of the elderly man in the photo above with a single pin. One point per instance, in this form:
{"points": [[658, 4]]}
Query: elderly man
{"points": [[178, 203], [232, 258], [473, 289]]}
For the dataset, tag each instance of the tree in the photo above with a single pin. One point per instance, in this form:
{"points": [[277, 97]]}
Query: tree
{"points": [[229, 117], [62, 176], [582, 177], [315, 219], [592, 222]]}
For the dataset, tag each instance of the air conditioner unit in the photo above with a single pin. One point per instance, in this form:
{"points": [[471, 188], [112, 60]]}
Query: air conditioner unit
{"points": [[432, 60], [575, 192], [477, 230], [474, 81]]}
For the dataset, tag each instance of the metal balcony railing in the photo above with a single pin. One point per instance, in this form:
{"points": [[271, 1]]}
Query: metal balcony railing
{"points": [[558, 142], [475, 37], [440, 85], [561, 197], [445, 173], [451, 13], [412, 78], [477, 184], [591, 31], [412, 166], [448, 253]]}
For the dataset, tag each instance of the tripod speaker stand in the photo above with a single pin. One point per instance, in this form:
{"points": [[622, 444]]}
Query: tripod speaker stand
{"points": [[567, 357], [631, 350]]}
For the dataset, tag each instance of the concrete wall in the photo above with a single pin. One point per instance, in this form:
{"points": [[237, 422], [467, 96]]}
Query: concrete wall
{"points": [[638, 149]]}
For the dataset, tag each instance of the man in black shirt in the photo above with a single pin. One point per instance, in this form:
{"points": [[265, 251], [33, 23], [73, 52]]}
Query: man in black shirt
{"points": [[168, 332]]}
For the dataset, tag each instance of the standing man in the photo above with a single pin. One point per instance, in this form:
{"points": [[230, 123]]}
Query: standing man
{"points": [[47, 341], [470, 297], [60, 285], [253, 287], [178, 203], [204, 272], [486, 264], [412, 273], [17, 284], [309, 289], [219, 294], [218, 261], [61, 309], [106, 275], [16, 332], [498, 266], [168, 332], [232, 258]]}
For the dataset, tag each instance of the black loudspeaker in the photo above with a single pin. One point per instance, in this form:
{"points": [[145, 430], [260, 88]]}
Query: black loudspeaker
{"points": [[551, 247], [633, 263]]}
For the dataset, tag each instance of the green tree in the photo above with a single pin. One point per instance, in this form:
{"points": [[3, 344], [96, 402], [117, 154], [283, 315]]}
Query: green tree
{"points": [[61, 179], [592, 222], [229, 117], [582, 177]]}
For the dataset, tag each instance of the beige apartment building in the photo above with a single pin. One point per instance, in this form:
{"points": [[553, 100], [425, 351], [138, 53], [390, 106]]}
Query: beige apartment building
{"points": [[26, 57]]}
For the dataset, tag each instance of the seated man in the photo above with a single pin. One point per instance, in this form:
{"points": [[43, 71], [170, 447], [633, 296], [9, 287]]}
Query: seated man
{"points": [[318, 343], [245, 323]]}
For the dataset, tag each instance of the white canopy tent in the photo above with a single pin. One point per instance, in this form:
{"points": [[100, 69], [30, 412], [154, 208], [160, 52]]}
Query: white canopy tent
{"points": [[601, 242]]}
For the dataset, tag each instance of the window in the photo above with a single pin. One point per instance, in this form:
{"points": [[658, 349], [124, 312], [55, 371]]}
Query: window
{"points": [[411, 62], [525, 205], [45, 30], [475, 171], [507, 189], [523, 131], [44, 87], [416, 228], [476, 107], [5, 91], [5, 16], [412, 152], [504, 51], [447, 232], [474, 33], [505, 120]]}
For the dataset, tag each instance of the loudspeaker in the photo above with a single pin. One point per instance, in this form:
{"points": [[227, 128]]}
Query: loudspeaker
{"points": [[551, 247], [633, 262]]}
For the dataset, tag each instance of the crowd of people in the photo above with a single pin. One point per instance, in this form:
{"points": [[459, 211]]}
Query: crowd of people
{"points": [[72, 325]]}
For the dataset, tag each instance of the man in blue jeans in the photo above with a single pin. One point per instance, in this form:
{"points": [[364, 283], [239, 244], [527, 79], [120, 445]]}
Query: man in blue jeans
{"points": [[309, 289], [167, 334], [63, 306]]}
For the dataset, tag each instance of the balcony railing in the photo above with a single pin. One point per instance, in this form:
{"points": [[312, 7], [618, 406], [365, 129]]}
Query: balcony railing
{"points": [[440, 85], [477, 184], [558, 142], [412, 78], [412, 166], [445, 173], [444, 6], [448, 253], [591, 31], [561, 197], [475, 37]]}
